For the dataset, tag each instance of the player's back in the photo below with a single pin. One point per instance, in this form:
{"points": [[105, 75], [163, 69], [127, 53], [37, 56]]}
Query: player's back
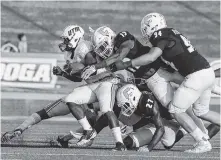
{"points": [[179, 52]]}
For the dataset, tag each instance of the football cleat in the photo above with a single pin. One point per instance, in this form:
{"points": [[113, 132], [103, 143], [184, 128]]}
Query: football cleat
{"points": [[76, 135], [143, 149], [63, 140], [120, 147], [6, 137], [200, 147], [87, 138]]}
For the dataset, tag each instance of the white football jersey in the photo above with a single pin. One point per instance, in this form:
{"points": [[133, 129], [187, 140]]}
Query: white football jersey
{"points": [[80, 52]]}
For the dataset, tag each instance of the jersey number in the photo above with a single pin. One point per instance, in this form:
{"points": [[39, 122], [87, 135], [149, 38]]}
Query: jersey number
{"points": [[187, 43], [149, 103], [123, 34], [156, 34]]}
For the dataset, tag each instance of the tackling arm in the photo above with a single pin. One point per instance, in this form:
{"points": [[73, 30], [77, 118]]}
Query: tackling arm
{"points": [[147, 58], [120, 54]]}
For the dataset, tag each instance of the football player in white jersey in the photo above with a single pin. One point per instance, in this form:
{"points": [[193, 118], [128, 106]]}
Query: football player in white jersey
{"points": [[101, 88], [76, 49]]}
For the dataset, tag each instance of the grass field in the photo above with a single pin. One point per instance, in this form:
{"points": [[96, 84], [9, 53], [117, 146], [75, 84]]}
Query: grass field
{"points": [[35, 145]]}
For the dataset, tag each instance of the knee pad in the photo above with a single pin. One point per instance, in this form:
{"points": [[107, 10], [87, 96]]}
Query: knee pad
{"points": [[174, 109], [200, 112], [112, 119], [43, 114]]}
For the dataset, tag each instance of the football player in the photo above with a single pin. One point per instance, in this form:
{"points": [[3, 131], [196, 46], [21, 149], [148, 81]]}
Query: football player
{"points": [[157, 75], [101, 88], [76, 49], [141, 110], [176, 50]]}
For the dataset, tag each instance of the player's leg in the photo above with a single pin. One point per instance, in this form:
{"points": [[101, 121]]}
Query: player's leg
{"points": [[171, 130], [160, 86], [213, 129], [140, 137], [188, 92], [79, 96], [106, 97], [37, 117]]}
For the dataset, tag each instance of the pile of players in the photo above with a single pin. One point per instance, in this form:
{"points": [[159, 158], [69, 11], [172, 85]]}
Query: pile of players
{"points": [[129, 84]]}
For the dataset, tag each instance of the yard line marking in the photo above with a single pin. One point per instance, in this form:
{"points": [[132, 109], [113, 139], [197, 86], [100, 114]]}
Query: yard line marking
{"points": [[91, 155]]}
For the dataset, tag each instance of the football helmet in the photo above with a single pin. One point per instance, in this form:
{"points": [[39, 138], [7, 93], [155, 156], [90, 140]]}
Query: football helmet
{"points": [[151, 23], [71, 37], [128, 98], [103, 41]]}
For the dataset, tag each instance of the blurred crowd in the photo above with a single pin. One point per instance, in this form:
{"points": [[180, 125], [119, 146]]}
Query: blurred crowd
{"points": [[21, 46]]}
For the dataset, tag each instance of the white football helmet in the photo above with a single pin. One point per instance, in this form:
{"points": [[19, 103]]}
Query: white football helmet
{"points": [[71, 36], [103, 41], [151, 23], [128, 98]]}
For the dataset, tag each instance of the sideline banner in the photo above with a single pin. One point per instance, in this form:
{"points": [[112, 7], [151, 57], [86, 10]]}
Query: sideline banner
{"points": [[27, 72]]}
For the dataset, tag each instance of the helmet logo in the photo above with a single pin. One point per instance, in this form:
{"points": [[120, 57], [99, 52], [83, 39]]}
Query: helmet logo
{"points": [[73, 31], [128, 92]]}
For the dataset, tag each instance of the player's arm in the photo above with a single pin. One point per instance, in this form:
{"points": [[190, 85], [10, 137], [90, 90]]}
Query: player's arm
{"points": [[120, 54], [151, 56], [73, 77], [159, 128]]}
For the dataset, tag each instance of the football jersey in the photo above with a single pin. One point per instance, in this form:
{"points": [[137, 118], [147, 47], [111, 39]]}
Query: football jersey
{"points": [[137, 50], [179, 53], [78, 55], [146, 105]]}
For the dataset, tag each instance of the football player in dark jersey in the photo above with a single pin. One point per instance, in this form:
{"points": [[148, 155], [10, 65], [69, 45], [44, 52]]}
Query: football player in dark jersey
{"points": [[176, 50]]}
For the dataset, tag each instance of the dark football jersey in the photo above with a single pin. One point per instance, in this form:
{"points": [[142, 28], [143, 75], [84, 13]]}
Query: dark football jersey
{"points": [[146, 105], [135, 52], [179, 53]]}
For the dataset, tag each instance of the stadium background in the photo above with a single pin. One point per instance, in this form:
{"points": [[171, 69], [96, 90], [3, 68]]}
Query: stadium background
{"points": [[43, 22]]}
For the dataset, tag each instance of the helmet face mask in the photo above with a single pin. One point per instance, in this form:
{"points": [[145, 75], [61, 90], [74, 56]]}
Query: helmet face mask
{"points": [[151, 23], [71, 37], [103, 41], [128, 98], [103, 50]]}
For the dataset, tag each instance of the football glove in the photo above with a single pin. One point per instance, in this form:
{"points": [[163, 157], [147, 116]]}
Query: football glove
{"points": [[88, 71], [57, 71]]}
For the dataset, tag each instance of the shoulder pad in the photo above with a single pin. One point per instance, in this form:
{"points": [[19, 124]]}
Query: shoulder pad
{"points": [[122, 37], [160, 35], [82, 49]]}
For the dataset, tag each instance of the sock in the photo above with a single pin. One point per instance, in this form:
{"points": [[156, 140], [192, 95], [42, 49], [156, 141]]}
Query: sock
{"points": [[85, 124], [198, 135], [117, 134], [30, 121]]}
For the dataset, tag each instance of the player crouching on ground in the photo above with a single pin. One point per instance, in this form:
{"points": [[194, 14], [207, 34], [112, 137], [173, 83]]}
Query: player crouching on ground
{"points": [[132, 101]]}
